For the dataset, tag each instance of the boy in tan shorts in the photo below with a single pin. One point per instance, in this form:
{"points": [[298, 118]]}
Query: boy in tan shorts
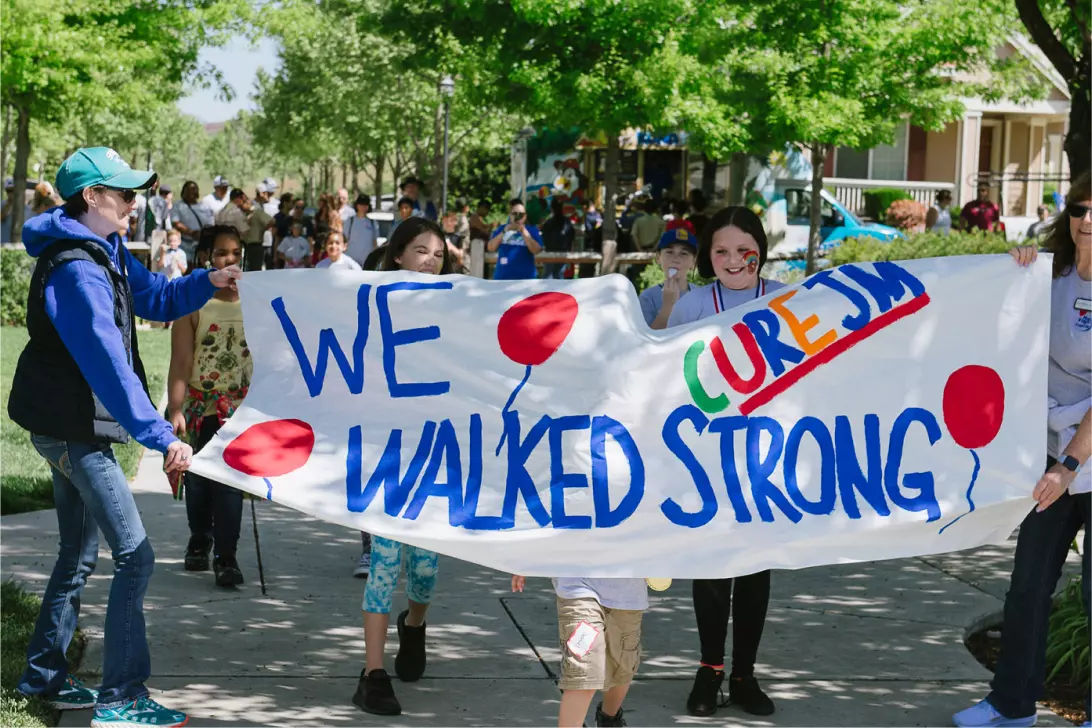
{"points": [[599, 627]]}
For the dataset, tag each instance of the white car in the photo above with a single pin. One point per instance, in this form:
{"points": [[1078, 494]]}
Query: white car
{"points": [[385, 221]]}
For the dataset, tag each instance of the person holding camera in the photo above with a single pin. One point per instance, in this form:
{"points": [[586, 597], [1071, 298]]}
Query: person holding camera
{"points": [[516, 243]]}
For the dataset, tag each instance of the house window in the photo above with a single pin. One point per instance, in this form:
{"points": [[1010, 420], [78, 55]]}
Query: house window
{"points": [[889, 160]]}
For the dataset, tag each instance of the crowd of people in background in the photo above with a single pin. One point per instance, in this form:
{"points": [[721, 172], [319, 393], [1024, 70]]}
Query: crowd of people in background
{"points": [[90, 290]]}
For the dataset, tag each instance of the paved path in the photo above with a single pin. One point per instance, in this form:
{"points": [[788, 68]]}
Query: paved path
{"points": [[854, 645]]}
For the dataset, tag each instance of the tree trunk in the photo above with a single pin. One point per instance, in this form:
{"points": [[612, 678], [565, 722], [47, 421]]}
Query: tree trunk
{"points": [[610, 184], [22, 155], [377, 203], [738, 178], [6, 140], [345, 177], [356, 174], [818, 156], [1078, 145], [708, 177], [436, 168]]}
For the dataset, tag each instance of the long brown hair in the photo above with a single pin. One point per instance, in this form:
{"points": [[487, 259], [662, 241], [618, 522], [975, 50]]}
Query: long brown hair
{"points": [[328, 213], [1059, 240], [406, 232], [741, 217]]}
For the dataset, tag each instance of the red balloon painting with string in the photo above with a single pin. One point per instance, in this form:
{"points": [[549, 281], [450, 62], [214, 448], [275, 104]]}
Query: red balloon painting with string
{"points": [[271, 449], [530, 331], [974, 408]]}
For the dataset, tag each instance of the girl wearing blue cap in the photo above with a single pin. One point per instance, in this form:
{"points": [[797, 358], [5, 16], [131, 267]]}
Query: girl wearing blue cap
{"points": [[676, 254], [79, 387]]}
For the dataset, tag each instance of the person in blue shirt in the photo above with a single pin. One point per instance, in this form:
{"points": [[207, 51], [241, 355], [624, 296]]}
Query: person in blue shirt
{"points": [[79, 386], [516, 243]]}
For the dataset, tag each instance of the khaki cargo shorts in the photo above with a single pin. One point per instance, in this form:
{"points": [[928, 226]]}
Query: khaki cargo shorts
{"points": [[614, 654]]}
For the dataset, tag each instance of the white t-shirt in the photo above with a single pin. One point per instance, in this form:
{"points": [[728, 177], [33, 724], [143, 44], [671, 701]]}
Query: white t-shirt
{"points": [[360, 236], [295, 251], [213, 203], [1069, 368], [715, 298], [611, 593], [345, 213], [272, 206], [343, 263], [140, 208], [174, 263]]}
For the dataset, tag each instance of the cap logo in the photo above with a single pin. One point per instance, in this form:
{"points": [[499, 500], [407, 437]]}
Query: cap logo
{"points": [[682, 233], [115, 157]]}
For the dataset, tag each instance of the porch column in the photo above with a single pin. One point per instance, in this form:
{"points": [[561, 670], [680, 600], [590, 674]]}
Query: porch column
{"points": [[970, 134]]}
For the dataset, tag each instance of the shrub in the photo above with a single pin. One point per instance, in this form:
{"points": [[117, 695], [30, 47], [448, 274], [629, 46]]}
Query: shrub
{"points": [[921, 245], [653, 275], [878, 200], [906, 215], [1067, 642], [15, 270]]}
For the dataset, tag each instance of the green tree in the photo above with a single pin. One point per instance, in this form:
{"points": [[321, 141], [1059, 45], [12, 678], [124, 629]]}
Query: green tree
{"points": [[1061, 29], [600, 65], [100, 66], [825, 73]]}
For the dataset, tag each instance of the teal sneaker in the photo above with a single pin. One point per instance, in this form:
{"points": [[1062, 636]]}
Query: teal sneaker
{"points": [[141, 712], [74, 696]]}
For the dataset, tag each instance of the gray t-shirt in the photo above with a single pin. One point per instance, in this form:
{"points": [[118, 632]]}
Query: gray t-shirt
{"points": [[652, 300], [611, 593], [1069, 371], [715, 298]]}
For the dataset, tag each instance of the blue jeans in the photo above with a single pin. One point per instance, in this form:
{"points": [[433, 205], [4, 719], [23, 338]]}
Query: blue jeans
{"points": [[1041, 550], [91, 493]]}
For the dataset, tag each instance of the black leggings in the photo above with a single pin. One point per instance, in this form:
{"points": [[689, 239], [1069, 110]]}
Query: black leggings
{"points": [[713, 606]]}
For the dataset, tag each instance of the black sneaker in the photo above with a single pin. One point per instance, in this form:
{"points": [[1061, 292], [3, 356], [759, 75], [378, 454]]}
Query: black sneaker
{"points": [[409, 664], [705, 695], [197, 553], [602, 719], [375, 694], [745, 693], [227, 571]]}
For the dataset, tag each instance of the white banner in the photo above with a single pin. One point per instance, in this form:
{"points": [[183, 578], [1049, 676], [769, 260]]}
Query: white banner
{"points": [[874, 411]]}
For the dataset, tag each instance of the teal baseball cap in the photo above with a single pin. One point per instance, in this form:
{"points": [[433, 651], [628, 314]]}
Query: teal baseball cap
{"points": [[99, 166]]}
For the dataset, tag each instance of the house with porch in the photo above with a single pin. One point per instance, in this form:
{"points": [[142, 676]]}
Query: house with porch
{"points": [[1015, 148]]}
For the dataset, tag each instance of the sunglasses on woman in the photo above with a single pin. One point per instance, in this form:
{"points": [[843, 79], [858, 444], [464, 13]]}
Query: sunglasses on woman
{"points": [[127, 195], [1077, 211]]}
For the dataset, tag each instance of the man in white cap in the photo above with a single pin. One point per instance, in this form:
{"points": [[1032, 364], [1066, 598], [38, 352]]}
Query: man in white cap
{"points": [[218, 198], [272, 205]]}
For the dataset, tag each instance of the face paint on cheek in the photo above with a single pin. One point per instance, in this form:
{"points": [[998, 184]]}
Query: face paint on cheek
{"points": [[750, 259]]}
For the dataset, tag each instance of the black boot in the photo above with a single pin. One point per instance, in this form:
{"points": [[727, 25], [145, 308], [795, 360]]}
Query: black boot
{"points": [[745, 692], [197, 553], [409, 664], [602, 719], [227, 572], [375, 694], [705, 695]]}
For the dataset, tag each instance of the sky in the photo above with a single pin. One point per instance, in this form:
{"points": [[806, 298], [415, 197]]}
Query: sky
{"points": [[239, 63]]}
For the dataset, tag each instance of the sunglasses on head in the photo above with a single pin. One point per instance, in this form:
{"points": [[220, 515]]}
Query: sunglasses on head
{"points": [[1077, 211], [127, 195]]}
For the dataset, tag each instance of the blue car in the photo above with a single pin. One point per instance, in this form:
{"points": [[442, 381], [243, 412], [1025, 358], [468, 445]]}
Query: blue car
{"points": [[788, 221]]}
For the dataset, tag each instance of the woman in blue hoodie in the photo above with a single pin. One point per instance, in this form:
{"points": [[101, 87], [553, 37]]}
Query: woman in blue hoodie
{"points": [[79, 387]]}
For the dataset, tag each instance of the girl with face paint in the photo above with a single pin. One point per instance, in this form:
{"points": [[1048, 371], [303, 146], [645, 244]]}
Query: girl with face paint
{"points": [[732, 251]]}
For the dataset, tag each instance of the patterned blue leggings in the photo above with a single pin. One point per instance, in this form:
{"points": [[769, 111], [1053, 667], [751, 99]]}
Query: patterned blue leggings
{"points": [[383, 577]]}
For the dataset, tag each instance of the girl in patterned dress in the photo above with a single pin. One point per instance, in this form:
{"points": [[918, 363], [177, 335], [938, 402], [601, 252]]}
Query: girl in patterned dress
{"points": [[209, 376]]}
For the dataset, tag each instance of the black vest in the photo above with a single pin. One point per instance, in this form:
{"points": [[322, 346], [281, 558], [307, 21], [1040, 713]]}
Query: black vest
{"points": [[49, 395]]}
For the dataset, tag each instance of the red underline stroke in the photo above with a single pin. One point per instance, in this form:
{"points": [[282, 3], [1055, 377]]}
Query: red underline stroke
{"points": [[794, 375]]}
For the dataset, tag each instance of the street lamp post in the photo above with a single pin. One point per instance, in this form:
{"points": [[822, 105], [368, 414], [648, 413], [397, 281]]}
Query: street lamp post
{"points": [[447, 90]]}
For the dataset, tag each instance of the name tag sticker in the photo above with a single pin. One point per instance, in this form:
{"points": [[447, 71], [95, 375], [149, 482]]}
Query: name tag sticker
{"points": [[1083, 304], [581, 640]]}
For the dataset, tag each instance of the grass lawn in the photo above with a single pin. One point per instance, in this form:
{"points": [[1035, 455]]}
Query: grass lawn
{"points": [[25, 482], [18, 610]]}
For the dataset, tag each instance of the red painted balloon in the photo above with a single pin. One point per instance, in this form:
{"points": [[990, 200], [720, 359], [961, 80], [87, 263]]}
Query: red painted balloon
{"points": [[974, 405], [530, 331], [272, 448]]}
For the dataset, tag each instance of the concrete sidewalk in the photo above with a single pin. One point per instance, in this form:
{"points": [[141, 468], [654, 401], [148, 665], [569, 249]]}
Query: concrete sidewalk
{"points": [[877, 644]]}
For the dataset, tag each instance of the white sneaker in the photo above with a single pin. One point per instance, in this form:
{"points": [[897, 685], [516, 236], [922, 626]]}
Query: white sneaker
{"points": [[363, 566]]}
